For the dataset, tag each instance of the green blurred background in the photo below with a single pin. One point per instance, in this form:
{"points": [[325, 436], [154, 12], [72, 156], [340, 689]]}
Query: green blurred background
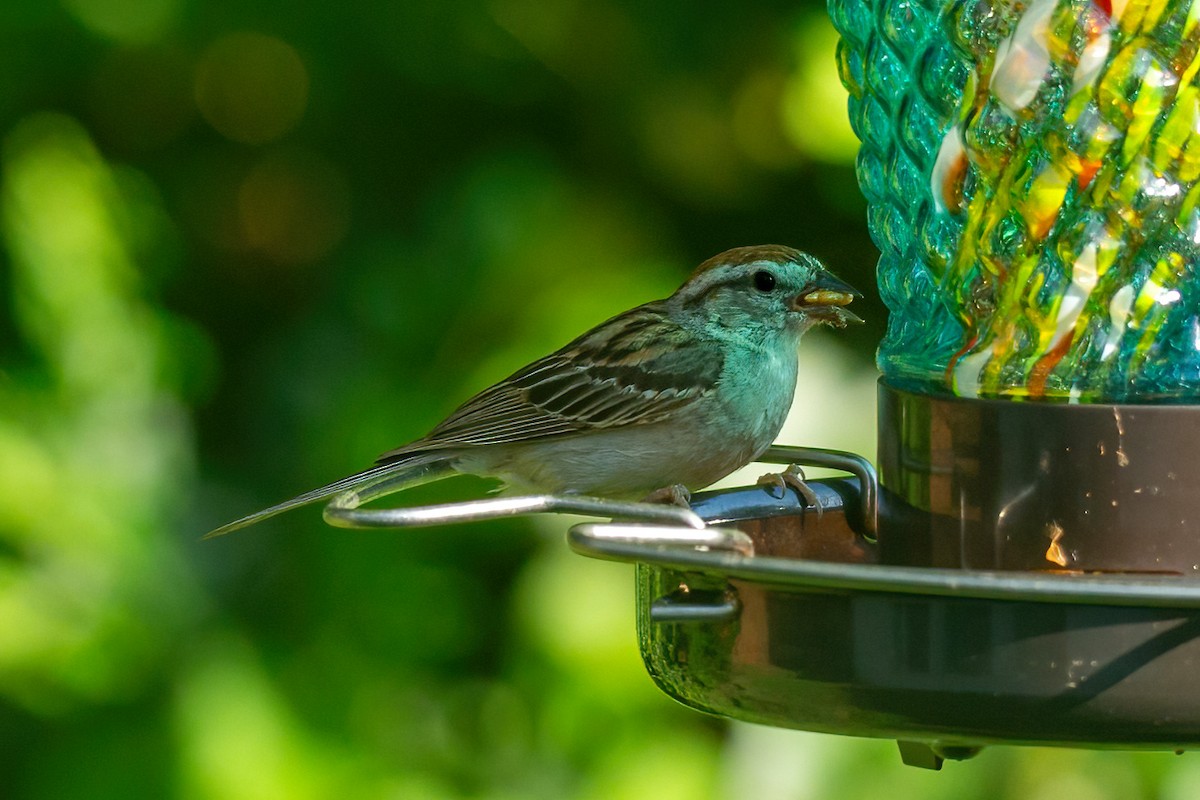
{"points": [[249, 246]]}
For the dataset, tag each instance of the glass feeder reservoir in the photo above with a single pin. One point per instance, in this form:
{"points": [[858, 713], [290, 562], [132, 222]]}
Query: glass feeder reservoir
{"points": [[1032, 174]]}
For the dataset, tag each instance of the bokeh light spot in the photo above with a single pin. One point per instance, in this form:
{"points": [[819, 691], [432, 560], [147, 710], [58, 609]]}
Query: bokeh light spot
{"points": [[294, 207], [252, 88], [814, 101], [131, 21], [241, 737]]}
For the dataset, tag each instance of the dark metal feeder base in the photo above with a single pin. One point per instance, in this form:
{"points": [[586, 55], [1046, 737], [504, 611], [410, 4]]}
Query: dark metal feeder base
{"points": [[1000, 484], [810, 633]]}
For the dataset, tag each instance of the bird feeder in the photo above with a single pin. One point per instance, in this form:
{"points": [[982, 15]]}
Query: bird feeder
{"points": [[1024, 570], [1031, 170]]}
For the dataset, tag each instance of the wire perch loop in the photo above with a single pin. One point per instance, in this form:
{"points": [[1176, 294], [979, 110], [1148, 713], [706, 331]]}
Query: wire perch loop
{"points": [[659, 524], [344, 510]]}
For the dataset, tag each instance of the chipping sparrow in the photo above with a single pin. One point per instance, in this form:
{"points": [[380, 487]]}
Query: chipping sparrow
{"points": [[677, 392]]}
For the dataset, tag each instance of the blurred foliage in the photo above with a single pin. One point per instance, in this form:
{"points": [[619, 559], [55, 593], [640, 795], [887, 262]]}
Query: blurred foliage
{"points": [[247, 247]]}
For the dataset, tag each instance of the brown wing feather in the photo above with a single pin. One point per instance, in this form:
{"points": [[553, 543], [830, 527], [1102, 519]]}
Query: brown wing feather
{"points": [[635, 369]]}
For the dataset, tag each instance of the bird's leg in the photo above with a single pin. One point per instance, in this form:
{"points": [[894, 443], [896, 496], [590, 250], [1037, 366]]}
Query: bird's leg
{"points": [[792, 476], [675, 495]]}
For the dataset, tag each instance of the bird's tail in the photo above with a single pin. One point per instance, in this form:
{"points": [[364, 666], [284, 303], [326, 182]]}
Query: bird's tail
{"points": [[400, 474]]}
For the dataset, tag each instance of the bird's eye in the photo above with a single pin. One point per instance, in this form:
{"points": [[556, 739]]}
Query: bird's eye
{"points": [[764, 281]]}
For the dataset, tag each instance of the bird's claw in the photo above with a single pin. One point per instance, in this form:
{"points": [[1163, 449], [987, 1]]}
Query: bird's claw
{"points": [[793, 476], [674, 495]]}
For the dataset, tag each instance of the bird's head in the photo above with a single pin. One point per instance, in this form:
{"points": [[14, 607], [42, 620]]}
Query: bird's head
{"points": [[768, 286]]}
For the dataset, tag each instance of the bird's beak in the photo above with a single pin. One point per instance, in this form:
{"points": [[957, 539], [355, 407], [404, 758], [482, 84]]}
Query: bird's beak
{"points": [[826, 298]]}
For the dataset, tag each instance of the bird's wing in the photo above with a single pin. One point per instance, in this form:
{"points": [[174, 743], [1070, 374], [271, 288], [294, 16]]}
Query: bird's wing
{"points": [[635, 369]]}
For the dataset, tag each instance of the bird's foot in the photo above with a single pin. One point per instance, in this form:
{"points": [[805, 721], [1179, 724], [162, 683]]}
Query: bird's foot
{"points": [[793, 476], [674, 495]]}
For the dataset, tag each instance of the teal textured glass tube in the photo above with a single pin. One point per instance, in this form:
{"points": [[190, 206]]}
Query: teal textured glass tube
{"points": [[1031, 170]]}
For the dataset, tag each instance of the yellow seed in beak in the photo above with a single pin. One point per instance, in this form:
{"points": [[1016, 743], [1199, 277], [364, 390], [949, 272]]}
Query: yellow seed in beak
{"points": [[827, 297]]}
